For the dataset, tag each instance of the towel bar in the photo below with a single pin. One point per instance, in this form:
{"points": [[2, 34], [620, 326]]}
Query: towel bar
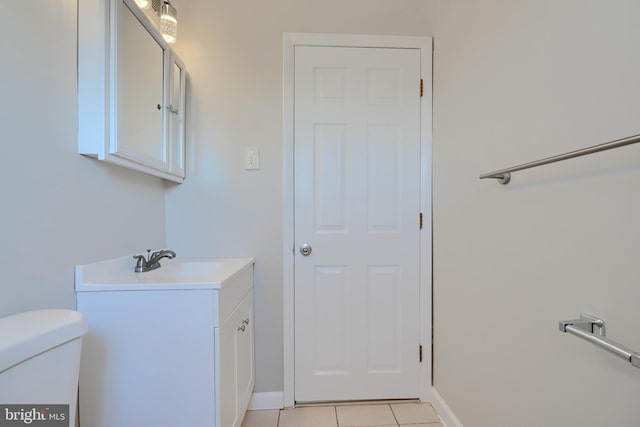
{"points": [[584, 328], [504, 175]]}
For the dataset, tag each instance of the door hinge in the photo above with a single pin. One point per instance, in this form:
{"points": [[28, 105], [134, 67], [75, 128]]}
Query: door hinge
{"points": [[420, 351], [421, 88], [420, 220]]}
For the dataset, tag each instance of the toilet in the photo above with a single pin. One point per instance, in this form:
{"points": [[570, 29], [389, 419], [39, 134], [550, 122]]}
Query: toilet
{"points": [[40, 358]]}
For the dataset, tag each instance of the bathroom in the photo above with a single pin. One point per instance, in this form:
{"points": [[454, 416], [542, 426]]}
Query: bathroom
{"points": [[512, 82]]}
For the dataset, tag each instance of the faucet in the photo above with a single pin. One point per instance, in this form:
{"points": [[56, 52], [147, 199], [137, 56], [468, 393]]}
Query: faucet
{"points": [[152, 260]]}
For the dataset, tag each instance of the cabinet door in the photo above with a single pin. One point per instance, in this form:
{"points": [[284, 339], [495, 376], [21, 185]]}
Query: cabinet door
{"points": [[176, 109], [226, 374], [245, 355], [139, 79], [236, 366]]}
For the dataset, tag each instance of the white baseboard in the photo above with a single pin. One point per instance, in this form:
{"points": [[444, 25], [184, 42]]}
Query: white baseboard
{"points": [[266, 400], [447, 416]]}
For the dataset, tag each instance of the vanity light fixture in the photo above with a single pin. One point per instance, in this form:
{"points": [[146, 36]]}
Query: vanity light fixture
{"points": [[143, 4], [169, 22]]}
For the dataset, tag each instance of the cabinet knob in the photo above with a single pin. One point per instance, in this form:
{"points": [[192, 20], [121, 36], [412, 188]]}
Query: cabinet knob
{"points": [[242, 327], [246, 321]]}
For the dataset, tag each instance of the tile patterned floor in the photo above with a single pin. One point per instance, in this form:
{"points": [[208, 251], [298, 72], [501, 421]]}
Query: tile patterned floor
{"points": [[366, 415]]}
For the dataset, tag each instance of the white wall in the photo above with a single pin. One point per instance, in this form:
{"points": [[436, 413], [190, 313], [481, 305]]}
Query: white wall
{"points": [[58, 208], [233, 51], [516, 81]]}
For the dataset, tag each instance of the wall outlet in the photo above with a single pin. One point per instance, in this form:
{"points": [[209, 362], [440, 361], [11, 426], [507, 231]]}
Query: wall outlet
{"points": [[251, 157]]}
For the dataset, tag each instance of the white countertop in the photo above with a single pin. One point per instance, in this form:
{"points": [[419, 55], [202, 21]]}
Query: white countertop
{"points": [[118, 274]]}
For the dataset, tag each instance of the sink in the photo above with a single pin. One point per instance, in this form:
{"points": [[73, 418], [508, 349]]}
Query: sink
{"points": [[117, 274], [191, 271]]}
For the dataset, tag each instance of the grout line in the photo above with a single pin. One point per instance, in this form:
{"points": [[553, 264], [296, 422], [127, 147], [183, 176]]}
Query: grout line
{"points": [[394, 415], [278, 420]]}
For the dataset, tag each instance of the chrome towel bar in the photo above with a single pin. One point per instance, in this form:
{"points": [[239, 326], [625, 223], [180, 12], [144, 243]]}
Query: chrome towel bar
{"points": [[504, 175], [591, 328]]}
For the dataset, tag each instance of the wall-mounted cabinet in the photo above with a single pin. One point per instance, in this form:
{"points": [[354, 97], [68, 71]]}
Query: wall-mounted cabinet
{"points": [[131, 90]]}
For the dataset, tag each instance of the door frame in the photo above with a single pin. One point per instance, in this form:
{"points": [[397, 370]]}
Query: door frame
{"points": [[425, 45]]}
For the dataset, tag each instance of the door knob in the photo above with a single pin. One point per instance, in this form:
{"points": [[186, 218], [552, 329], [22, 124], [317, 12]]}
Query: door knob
{"points": [[305, 249]]}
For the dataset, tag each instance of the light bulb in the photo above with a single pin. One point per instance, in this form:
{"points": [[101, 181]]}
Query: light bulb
{"points": [[143, 4], [169, 22]]}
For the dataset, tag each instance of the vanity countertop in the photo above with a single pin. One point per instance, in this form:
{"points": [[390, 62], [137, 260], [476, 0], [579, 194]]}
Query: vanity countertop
{"points": [[117, 274]]}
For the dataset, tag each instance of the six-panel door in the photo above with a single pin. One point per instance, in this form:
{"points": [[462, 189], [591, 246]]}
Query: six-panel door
{"points": [[357, 204]]}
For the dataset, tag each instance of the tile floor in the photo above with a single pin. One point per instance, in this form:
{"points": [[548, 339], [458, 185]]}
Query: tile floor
{"points": [[411, 414]]}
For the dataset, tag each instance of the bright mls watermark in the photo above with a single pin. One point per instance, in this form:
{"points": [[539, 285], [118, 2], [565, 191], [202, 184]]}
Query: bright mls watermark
{"points": [[34, 415]]}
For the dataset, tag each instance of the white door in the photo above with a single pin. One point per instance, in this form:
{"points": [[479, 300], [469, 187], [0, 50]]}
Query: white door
{"points": [[357, 204]]}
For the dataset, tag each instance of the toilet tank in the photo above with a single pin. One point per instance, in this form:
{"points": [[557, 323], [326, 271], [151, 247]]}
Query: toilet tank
{"points": [[40, 359]]}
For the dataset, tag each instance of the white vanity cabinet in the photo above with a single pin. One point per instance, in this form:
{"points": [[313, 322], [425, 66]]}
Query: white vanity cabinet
{"points": [[131, 90], [167, 354]]}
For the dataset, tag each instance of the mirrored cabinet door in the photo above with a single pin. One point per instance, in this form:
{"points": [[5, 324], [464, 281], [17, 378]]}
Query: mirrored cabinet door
{"points": [[139, 71], [176, 117]]}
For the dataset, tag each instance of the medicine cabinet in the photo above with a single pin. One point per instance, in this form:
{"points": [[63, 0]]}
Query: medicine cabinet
{"points": [[131, 90]]}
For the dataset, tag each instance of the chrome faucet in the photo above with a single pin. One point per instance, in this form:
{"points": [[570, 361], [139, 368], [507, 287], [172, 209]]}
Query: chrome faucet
{"points": [[152, 261]]}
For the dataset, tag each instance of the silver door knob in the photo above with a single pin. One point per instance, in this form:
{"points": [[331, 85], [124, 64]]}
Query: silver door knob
{"points": [[305, 249]]}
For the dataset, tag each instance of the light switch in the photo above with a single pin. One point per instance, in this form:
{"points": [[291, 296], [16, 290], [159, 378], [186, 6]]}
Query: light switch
{"points": [[251, 157]]}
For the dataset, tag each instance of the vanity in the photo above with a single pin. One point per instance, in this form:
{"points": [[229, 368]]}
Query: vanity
{"points": [[169, 347], [131, 90]]}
